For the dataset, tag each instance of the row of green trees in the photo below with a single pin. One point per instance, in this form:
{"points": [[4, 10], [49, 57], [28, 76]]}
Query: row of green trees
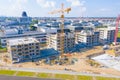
{"points": [[32, 24]]}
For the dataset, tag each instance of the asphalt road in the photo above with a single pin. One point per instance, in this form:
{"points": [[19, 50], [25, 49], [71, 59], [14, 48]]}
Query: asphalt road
{"points": [[21, 78]]}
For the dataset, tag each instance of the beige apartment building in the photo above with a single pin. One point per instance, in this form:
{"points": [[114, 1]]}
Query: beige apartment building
{"points": [[23, 49], [54, 41]]}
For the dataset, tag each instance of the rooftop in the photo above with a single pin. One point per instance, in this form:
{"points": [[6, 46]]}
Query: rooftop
{"points": [[24, 34], [106, 28], [22, 41], [87, 32]]}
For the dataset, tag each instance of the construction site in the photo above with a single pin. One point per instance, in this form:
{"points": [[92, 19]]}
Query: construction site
{"points": [[96, 59]]}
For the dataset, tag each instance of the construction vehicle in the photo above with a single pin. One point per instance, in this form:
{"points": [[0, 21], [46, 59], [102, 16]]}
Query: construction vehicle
{"points": [[62, 34], [114, 50]]}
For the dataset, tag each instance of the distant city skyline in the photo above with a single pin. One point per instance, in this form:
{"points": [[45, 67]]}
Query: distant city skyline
{"points": [[40, 8]]}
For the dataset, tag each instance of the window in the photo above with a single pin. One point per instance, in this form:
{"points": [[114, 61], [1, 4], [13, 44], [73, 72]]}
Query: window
{"points": [[26, 48], [30, 51], [19, 50], [4, 40], [37, 47], [37, 50], [29, 47], [20, 54], [37, 53]]}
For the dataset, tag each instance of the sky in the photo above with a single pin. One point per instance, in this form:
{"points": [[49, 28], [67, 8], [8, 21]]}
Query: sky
{"points": [[41, 8]]}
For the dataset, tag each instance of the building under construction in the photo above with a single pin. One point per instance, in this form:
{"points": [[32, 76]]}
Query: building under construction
{"points": [[61, 37], [23, 49], [69, 40]]}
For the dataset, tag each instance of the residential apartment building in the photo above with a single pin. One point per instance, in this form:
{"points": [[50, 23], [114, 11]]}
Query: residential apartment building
{"points": [[54, 41], [88, 37], [106, 34], [23, 49], [76, 30], [13, 34]]}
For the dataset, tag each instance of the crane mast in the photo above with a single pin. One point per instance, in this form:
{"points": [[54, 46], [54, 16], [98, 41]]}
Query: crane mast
{"points": [[116, 30], [114, 49], [62, 34]]}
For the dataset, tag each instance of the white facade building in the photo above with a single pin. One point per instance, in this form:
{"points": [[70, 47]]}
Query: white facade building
{"points": [[40, 36], [106, 34], [88, 37]]}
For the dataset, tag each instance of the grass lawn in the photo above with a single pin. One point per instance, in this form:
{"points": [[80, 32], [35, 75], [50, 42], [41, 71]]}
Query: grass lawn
{"points": [[7, 72], [118, 34], [104, 78], [65, 76], [44, 75], [22, 73], [54, 76], [80, 77], [3, 49]]}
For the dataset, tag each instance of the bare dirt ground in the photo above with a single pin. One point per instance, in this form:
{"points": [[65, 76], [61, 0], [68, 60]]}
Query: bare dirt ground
{"points": [[80, 66]]}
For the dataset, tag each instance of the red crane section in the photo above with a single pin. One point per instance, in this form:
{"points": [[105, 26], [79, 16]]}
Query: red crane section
{"points": [[116, 30]]}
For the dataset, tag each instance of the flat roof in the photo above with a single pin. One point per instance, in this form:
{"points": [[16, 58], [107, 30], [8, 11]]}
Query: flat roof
{"points": [[22, 41], [24, 34], [108, 28]]}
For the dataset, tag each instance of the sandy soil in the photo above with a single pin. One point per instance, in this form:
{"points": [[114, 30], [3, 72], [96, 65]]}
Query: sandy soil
{"points": [[81, 65]]}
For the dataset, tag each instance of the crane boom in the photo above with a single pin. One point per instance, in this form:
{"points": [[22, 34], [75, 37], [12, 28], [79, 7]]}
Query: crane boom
{"points": [[60, 10]]}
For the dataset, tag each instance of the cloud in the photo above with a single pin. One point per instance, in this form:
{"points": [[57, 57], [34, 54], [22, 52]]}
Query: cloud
{"points": [[104, 10], [75, 3], [18, 1], [14, 8], [46, 3], [80, 5]]}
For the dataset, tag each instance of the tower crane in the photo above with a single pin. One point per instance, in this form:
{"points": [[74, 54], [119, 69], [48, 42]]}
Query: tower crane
{"points": [[116, 30], [114, 49], [62, 35]]}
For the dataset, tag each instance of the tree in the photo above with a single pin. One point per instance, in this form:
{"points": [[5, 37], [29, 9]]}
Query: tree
{"points": [[35, 22]]}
